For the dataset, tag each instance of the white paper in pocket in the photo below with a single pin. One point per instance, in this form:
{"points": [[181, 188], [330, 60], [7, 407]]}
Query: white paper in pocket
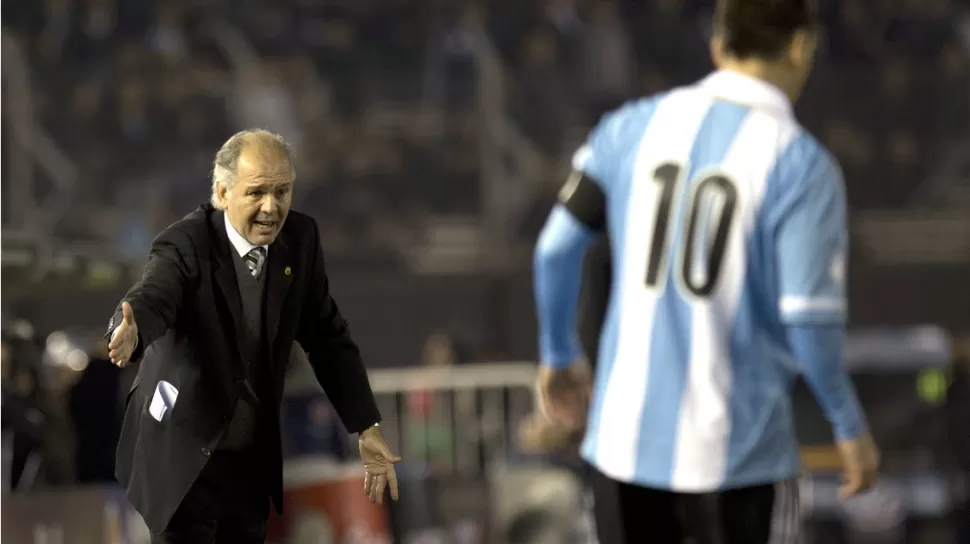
{"points": [[163, 401]]}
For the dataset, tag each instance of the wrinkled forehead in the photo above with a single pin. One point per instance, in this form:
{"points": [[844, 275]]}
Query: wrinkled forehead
{"points": [[259, 165]]}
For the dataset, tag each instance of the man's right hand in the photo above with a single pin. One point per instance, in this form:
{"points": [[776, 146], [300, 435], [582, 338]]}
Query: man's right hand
{"points": [[124, 339], [564, 394], [860, 465], [539, 435]]}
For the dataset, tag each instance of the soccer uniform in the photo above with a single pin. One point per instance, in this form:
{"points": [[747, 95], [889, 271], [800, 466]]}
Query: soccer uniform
{"points": [[728, 236]]}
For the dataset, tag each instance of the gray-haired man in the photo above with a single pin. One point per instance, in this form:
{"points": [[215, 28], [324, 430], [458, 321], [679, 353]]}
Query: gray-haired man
{"points": [[225, 293]]}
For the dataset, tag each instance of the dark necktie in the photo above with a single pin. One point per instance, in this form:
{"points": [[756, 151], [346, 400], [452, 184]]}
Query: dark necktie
{"points": [[255, 259]]}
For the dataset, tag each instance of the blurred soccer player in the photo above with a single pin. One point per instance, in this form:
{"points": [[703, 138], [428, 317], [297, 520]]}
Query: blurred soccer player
{"points": [[727, 223]]}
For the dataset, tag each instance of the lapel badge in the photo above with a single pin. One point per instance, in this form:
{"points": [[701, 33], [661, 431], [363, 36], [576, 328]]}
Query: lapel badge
{"points": [[287, 271]]}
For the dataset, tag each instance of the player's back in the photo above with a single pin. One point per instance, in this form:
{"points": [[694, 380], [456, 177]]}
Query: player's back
{"points": [[694, 374]]}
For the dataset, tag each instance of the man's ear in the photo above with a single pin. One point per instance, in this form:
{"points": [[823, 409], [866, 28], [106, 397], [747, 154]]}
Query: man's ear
{"points": [[222, 194], [802, 48], [717, 49]]}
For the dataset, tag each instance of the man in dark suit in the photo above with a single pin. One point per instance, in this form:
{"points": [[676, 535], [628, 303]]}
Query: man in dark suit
{"points": [[225, 293]]}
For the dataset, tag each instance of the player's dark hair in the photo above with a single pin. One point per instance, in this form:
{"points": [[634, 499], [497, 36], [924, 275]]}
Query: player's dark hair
{"points": [[761, 28]]}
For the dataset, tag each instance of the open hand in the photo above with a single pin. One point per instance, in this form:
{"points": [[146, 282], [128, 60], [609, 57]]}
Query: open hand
{"points": [[124, 339], [378, 465]]}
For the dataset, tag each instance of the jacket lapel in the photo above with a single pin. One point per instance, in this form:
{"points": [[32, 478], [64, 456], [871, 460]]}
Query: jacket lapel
{"points": [[279, 277], [224, 272]]}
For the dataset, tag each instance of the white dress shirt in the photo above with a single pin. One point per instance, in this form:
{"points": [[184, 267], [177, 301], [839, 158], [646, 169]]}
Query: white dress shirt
{"points": [[242, 245]]}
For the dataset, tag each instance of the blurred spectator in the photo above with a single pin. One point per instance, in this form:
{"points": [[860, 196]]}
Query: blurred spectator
{"points": [[454, 58], [57, 30], [263, 101], [562, 19], [131, 115], [167, 35], [542, 104], [98, 20], [431, 436], [312, 98], [609, 67]]}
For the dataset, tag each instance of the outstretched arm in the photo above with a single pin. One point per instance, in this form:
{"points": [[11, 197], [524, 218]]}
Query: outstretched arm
{"points": [[155, 299]]}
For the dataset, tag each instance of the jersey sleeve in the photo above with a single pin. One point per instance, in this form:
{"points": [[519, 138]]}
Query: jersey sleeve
{"points": [[812, 245], [599, 156], [558, 263], [584, 198], [819, 349]]}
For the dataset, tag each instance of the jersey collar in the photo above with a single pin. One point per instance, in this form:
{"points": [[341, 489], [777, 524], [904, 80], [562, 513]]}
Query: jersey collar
{"points": [[744, 89]]}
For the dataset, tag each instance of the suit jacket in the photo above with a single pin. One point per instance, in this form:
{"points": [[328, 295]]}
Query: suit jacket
{"points": [[189, 315]]}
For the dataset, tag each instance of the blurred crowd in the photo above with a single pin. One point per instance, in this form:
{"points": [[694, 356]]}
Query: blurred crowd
{"points": [[380, 97], [383, 102]]}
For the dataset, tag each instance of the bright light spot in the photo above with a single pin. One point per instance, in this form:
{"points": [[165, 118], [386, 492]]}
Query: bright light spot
{"points": [[77, 360], [23, 329], [58, 344]]}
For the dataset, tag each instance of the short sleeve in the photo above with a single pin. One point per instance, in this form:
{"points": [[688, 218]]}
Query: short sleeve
{"points": [[611, 140], [593, 158], [812, 246]]}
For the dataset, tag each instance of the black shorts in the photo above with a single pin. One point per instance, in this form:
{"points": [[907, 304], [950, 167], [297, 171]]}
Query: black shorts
{"points": [[628, 514]]}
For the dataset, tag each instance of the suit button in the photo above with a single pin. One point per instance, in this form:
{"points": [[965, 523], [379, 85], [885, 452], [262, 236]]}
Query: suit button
{"points": [[206, 451]]}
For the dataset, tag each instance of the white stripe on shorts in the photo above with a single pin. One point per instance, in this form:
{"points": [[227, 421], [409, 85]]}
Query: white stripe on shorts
{"points": [[786, 513]]}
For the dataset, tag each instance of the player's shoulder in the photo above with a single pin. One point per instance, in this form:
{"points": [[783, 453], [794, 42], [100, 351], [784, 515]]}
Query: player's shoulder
{"points": [[805, 173], [807, 150], [632, 115], [806, 163], [617, 131], [613, 139]]}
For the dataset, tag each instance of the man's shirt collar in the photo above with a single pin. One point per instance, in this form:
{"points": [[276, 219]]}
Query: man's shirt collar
{"points": [[242, 245], [746, 90]]}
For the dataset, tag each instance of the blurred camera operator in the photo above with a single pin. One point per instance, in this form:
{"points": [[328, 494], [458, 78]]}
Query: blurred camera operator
{"points": [[95, 404], [22, 417]]}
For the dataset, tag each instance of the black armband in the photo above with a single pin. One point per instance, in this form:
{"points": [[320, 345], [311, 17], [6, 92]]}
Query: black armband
{"points": [[585, 200]]}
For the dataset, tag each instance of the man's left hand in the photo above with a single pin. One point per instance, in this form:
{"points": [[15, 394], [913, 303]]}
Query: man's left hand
{"points": [[378, 465]]}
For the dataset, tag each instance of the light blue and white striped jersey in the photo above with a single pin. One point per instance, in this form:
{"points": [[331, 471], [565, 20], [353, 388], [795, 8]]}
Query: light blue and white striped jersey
{"points": [[727, 223]]}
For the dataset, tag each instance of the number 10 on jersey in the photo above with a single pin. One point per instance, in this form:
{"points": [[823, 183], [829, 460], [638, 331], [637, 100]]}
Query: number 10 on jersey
{"points": [[668, 176]]}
